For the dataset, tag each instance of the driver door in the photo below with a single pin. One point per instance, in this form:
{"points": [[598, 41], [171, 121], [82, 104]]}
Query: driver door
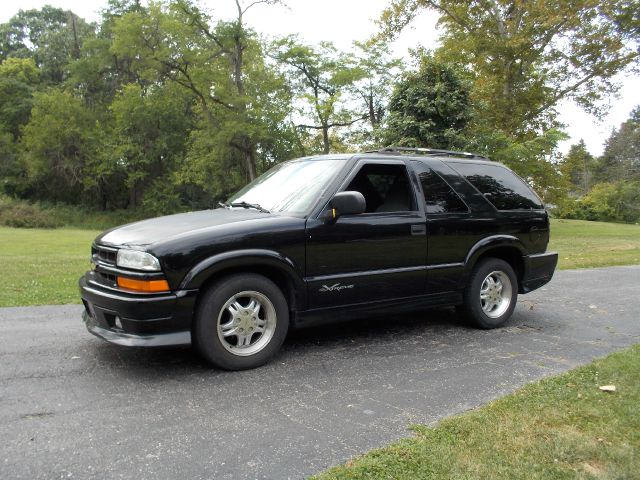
{"points": [[374, 256]]}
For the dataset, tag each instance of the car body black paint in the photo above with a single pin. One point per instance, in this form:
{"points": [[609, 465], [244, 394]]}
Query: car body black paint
{"points": [[353, 266]]}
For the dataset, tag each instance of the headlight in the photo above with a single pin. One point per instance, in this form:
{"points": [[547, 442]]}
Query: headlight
{"points": [[137, 260]]}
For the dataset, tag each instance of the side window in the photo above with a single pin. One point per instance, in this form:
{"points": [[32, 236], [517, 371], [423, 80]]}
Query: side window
{"points": [[386, 188], [499, 185], [439, 197]]}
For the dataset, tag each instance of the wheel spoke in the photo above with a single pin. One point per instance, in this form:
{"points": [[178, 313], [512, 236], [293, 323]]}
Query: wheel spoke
{"points": [[488, 306], [230, 324], [244, 340], [255, 307], [229, 331], [234, 308]]}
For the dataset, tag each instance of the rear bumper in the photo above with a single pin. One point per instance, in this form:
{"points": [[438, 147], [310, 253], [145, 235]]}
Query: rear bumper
{"points": [[138, 320], [538, 270]]}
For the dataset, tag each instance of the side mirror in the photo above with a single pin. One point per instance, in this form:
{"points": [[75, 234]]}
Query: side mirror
{"points": [[346, 203]]}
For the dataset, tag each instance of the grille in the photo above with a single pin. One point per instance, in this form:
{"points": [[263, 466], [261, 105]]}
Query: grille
{"points": [[104, 255], [108, 278]]}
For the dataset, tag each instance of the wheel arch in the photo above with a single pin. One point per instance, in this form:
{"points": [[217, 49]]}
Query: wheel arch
{"points": [[505, 247], [278, 268]]}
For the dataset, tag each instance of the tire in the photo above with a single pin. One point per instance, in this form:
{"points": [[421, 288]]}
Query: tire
{"points": [[491, 294], [241, 322]]}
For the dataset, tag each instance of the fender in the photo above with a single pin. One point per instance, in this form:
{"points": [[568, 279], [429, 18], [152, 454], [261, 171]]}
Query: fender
{"points": [[485, 245], [245, 258]]}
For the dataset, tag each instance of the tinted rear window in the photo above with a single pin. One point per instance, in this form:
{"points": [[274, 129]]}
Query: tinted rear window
{"points": [[504, 189]]}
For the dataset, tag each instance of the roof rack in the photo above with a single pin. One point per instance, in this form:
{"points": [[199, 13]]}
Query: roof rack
{"points": [[428, 151]]}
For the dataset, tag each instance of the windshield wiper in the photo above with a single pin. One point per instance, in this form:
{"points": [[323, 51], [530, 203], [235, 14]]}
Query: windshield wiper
{"points": [[244, 205]]}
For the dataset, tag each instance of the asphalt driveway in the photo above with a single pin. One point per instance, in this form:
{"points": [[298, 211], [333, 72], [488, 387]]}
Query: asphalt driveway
{"points": [[72, 406]]}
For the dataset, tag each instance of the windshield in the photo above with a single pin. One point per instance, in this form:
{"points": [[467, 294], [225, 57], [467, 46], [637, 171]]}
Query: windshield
{"points": [[291, 187]]}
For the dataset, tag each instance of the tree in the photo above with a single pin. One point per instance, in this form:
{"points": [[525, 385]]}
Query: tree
{"points": [[429, 108], [60, 146], [577, 168], [222, 66], [18, 80], [524, 57], [51, 36], [379, 73], [621, 157], [150, 132], [322, 78]]}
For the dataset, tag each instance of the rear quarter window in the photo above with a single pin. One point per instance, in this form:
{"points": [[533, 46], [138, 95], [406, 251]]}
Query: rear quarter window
{"points": [[500, 186]]}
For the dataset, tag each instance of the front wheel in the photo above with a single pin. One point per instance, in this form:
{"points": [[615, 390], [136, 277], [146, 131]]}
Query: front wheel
{"points": [[491, 294], [241, 322]]}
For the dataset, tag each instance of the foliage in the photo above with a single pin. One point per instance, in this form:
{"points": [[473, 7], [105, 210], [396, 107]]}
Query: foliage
{"points": [[609, 202], [161, 107], [371, 92], [59, 144], [25, 215], [150, 132], [429, 108], [611, 191], [621, 158], [522, 59], [321, 77], [51, 36], [525, 57], [577, 168], [222, 67]]}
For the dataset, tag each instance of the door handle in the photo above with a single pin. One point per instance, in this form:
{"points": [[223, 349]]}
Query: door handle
{"points": [[418, 229]]}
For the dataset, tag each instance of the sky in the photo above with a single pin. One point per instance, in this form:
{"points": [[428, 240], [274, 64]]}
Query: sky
{"points": [[343, 21]]}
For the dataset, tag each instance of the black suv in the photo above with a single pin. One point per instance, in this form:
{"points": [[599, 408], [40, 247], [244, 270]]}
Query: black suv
{"points": [[320, 239]]}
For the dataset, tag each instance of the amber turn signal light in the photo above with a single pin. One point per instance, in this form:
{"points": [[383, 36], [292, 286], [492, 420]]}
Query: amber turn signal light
{"points": [[148, 286]]}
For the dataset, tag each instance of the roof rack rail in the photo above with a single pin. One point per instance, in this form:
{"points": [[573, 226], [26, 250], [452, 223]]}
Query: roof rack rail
{"points": [[428, 151]]}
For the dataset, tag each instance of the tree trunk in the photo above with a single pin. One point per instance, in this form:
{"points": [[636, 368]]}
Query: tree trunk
{"points": [[248, 149], [133, 197], [372, 112], [325, 138], [249, 157]]}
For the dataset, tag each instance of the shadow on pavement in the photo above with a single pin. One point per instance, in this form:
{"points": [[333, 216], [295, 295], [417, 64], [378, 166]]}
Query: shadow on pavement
{"points": [[300, 346]]}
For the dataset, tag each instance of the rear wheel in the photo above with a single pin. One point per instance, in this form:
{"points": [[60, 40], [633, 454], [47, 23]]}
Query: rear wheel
{"points": [[241, 322], [491, 294]]}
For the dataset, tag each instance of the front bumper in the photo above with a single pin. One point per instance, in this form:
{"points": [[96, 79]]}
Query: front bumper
{"points": [[137, 320], [538, 270]]}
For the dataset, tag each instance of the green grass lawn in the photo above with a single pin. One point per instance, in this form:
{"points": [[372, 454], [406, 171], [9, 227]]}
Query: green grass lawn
{"points": [[41, 267], [557, 428], [583, 244]]}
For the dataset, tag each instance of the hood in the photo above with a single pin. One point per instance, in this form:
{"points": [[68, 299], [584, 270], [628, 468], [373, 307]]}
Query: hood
{"points": [[147, 232]]}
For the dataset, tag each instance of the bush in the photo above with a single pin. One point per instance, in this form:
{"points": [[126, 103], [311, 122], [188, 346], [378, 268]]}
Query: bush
{"points": [[606, 202], [24, 215]]}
